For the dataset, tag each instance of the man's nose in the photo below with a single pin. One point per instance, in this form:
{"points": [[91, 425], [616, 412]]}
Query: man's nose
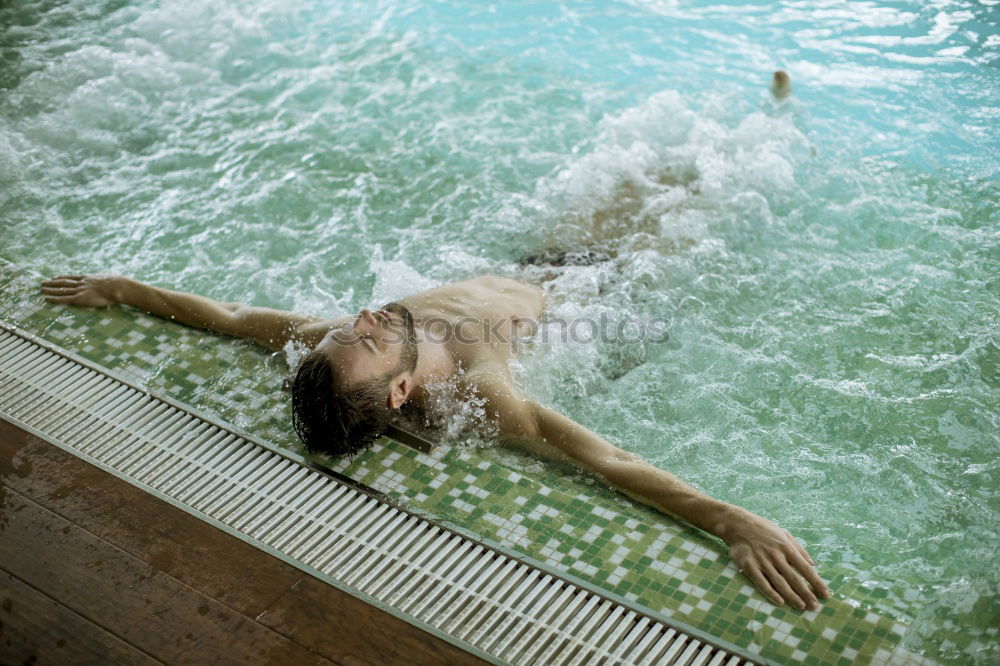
{"points": [[368, 317]]}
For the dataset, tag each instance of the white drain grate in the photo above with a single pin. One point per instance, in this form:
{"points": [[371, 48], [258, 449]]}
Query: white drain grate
{"points": [[477, 597]]}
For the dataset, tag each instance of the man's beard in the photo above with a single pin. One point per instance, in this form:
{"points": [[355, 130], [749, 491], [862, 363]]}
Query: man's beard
{"points": [[408, 353]]}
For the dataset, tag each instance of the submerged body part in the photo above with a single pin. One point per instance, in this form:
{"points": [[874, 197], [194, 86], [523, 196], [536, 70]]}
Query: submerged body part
{"points": [[781, 84]]}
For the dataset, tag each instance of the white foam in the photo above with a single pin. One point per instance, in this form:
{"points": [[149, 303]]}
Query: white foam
{"points": [[10, 162], [664, 168], [294, 352], [394, 279]]}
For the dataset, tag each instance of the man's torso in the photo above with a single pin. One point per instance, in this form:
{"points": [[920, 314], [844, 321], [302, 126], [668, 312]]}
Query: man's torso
{"points": [[477, 320]]}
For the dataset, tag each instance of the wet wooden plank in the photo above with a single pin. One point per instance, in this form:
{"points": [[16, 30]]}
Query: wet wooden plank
{"points": [[131, 599], [169, 539], [36, 629], [328, 621], [364, 635]]}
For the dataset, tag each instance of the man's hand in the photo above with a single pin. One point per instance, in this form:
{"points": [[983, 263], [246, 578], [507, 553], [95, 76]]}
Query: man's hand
{"points": [[774, 561], [91, 291]]}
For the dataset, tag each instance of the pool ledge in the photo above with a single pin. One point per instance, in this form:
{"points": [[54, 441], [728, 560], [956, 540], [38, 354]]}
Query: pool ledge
{"points": [[495, 606]]}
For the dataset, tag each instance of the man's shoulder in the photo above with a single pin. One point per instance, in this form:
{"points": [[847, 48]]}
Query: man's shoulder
{"points": [[502, 401], [490, 380]]}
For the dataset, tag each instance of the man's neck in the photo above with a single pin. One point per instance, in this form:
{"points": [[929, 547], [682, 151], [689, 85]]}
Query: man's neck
{"points": [[434, 364]]}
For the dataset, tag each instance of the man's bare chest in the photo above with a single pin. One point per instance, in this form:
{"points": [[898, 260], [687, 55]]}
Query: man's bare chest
{"points": [[491, 301], [480, 320]]}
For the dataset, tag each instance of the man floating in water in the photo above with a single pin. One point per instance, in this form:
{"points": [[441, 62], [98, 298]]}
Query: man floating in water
{"points": [[363, 368]]}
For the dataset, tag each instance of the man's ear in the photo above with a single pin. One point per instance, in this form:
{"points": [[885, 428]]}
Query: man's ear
{"points": [[399, 390]]}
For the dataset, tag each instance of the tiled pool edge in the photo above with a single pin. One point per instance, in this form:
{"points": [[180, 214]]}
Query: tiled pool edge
{"points": [[405, 474], [126, 430]]}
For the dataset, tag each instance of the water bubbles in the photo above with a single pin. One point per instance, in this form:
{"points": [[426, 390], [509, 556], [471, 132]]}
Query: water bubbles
{"points": [[454, 413], [294, 352], [825, 264]]}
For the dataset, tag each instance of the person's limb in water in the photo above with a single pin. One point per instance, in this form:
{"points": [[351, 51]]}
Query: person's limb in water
{"points": [[268, 327], [781, 85], [555, 257], [776, 563]]}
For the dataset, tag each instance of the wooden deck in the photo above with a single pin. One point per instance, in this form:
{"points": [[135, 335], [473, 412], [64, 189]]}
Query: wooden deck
{"points": [[94, 570]]}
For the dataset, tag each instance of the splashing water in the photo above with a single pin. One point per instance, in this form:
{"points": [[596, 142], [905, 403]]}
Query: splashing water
{"points": [[827, 264]]}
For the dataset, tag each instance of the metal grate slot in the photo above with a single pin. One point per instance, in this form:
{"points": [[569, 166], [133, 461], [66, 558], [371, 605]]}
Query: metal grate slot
{"points": [[541, 636], [488, 602]]}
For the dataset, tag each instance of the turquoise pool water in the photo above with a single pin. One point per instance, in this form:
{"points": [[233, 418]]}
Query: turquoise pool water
{"points": [[828, 265]]}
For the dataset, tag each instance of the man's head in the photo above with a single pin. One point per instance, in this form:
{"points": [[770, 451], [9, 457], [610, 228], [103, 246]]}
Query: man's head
{"points": [[346, 389]]}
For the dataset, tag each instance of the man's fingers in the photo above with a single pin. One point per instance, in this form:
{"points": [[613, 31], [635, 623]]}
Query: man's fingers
{"points": [[61, 282], [60, 299], [780, 583], [800, 586], [811, 575], [798, 546], [754, 574], [60, 291]]}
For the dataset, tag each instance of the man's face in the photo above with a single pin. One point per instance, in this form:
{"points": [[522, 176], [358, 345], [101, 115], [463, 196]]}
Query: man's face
{"points": [[373, 344]]}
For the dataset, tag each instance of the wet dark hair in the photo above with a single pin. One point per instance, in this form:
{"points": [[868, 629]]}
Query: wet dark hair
{"points": [[330, 417]]}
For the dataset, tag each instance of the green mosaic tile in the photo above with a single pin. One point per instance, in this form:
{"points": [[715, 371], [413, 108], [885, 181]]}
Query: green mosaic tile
{"points": [[576, 526]]}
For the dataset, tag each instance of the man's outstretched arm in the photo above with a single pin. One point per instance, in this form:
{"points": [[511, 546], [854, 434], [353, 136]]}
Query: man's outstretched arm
{"points": [[270, 328], [776, 563]]}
